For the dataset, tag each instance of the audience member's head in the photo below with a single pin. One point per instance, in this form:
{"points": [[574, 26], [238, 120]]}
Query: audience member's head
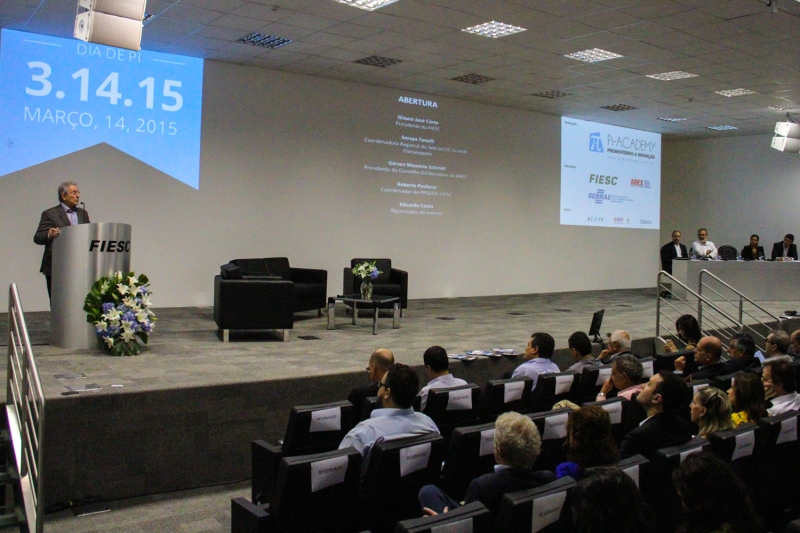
{"points": [[795, 341], [516, 441], [399, 387], [589, 441], [741, 346], [711, 411], [665, 393], [777, 343], [714, 498], [606, 499], [379, 362], [708, 351], [626, 371], [540, 345], [747, 395], [620, 341], [580, 345], [779, 379], [436, 362], [688, 329]]}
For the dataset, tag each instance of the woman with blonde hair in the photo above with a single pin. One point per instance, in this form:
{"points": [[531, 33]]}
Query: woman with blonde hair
{"points": [[711, 411]]}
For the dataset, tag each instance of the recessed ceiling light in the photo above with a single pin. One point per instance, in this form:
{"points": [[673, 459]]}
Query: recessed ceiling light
{"points": [[552, 94], [722, 128], [674, 75], [672, 119], [735, 92], [593, 55], [785, 107], [618, 107], [494, 29], [265, 41], [378, 61], [474, 79], [369, 5]]}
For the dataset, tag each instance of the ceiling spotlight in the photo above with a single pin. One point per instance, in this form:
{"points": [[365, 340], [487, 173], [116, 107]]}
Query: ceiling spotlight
{"points": [[735, 92], [494, 29], [369, 5], [592, 56], [110, 22]]}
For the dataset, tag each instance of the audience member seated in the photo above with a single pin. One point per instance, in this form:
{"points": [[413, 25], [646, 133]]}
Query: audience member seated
{"points": [[396, 392], [747, 398], [785, 249], [619, 343], [665, 398], [589, 442], [794, 341], [688, 331], [437, 369], [711, 411], [626, 378], [606, 500], [780, 386], [707, 356], [742, 353], [714, 499], [753, 252], [776, 347], [516, 445], [580, 346], [537, 358], [379, 362]]}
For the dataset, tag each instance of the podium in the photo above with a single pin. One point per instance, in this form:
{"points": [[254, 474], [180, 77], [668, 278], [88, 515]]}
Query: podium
{"points": [[83, 254]]}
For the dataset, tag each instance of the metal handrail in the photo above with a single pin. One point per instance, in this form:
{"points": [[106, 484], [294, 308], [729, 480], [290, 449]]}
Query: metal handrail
{"points": [[25, 405]]}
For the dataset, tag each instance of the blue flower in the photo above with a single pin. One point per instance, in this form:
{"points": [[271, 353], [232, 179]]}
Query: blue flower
{"points": [[108, 306], [147, 327], [374, 274]]}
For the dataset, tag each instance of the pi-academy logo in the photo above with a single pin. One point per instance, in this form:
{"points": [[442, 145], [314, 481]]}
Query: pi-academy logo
{"points": [[595, 143]]}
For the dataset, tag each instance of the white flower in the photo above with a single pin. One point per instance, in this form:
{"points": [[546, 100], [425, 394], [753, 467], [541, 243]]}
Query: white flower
{"points": [[132, 281], [135, 290], [101, 326], [118, 276], [146, 301], [127, 335], [130, 302], [104, 287], [122, 289], [141, 316], [109, 341], [112, 315]]}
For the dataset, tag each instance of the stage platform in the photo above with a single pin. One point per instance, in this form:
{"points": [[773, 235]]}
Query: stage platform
{"points": [[183, 413]]}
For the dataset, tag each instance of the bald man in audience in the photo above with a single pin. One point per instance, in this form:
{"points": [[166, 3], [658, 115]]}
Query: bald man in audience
{"points": [[379, 362], [707, 355], [618, 344]]}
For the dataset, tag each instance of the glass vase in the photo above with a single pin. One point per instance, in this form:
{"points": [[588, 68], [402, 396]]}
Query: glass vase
{"points": [[366, 289]]}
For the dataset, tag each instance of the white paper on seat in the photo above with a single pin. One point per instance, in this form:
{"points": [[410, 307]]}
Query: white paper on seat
{"points": [[745, 443], [633, 472], [513, 391], [487, 442], [326, 420], [614, 410], [563, 383], [328, 472], [555, 427], [788, 431], [698, 388], [647, 366], [687, 453], [462, 526], [458, 400], [602, 375], [547, 510], [414, 458]]}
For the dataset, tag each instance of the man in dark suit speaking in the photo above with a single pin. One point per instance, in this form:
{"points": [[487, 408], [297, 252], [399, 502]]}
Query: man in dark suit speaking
{"points": [[672, 250], [67, 213], [786, 248]]}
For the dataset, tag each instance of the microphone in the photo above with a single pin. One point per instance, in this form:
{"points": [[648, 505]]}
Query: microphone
{"points": [[83, 206]]}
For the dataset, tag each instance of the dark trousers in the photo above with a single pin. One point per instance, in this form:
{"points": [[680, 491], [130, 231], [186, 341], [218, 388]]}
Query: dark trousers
{"points": [[435, 499], [49, 286]]}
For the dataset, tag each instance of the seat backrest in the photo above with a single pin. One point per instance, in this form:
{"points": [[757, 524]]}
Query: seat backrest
{"points": [[666, 361], [640, 471], [317, 492], [370, 404], [470, 454], [473, 518], [648, 368], [674, 455], [317, 428], [592, 379], [617, 409], [737, 446], [543, 509], [279, 266], [504, 395], [727, 252], [664, 462], [552, 426], [384, 265], [723, 382], [696, 385], [778, 464], [552, 388], [453, 407], [251, 266]]}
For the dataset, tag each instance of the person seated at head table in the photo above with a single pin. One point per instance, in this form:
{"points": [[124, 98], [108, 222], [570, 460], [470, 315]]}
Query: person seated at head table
{"points": [[752, 252], [784, 250]]}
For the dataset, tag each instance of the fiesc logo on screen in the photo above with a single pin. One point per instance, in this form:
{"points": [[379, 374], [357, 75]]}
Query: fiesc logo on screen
{"points": [[110, 53], [110, 246], [602, 180]]}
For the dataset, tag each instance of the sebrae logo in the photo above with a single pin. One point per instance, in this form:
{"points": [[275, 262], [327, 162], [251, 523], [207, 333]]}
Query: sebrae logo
{"points": [[595, 143], [599, 196]]}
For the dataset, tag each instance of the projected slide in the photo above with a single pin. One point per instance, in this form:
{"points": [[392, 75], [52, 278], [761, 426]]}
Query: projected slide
{"points": [[59, 96], [610, 176]]}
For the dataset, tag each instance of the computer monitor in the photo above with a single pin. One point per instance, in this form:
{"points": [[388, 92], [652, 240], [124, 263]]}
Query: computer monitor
{"points": [[597, 322]]}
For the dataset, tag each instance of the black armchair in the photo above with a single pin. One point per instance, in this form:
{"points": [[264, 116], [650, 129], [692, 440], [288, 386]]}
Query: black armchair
{"points": [[251, 304], [391, 281], [310, 285], [727, 252]]}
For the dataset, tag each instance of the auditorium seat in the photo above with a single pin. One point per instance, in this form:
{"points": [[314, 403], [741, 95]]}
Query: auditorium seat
{"points": [[634, 415], [778, 463], [309, 285], [727, 252], [666, 361], [592, 379], [545, 509], [311, 429], [470, 454], [617, 409], [503, 395], [313, 493], [723, 382], [473, 518], [667, 504], [641, 471], [552, 426], [552, 388], [648, 368], [391, 281], [453, 407], [738, 446], [697, 385]]}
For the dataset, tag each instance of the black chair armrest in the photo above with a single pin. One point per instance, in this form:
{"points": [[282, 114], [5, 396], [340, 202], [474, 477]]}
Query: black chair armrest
{"points": [[265, 460], [247, 517], [400, 277], [348, 281], [263, 277], [309, 275]]}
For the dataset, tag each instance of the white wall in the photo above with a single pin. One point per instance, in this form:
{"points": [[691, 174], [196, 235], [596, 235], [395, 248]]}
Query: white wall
{"points": [[734, 187], [282, 174]]}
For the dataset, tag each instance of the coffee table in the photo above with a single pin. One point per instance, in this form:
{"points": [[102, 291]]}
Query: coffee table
{"points": [[374, 303]]}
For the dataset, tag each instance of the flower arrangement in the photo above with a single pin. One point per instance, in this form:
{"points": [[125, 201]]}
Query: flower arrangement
{"points": [[366, 270], [119, 309]]}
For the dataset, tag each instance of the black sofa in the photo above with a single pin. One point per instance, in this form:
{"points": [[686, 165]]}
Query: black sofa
{"points": [[310, 286]]}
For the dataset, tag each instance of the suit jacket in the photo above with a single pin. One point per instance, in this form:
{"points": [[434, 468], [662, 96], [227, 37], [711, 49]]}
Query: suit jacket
{"points": [[709, 371], [668, 254], [743, 363], [490, 488], [747, 254], [359, 394], [55, 217], [660, 431], [777, 250]]}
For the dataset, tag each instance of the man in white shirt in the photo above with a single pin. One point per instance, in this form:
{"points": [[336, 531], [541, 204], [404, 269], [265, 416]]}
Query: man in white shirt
{"points": [[703, 247], [438, 372], [780, 387]]}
